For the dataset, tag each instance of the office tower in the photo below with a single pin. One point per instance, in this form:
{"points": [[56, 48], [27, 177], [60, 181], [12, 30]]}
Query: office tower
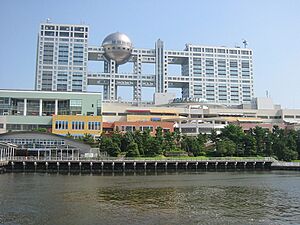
{"points": [[62, 57]]}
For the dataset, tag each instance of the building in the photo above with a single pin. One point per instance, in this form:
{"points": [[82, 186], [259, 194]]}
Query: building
{"points": [[43, 145], [124, 127], [62, 57], [76, 125], [212, 74], [192, 118], [29, 110]]}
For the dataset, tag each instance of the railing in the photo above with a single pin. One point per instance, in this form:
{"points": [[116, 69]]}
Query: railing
{"points": [[171, 159]]}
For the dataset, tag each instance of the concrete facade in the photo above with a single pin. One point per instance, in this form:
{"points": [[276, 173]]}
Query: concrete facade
{"points": [[61, 63], [28, 110], [76, 125], [221, 75]]}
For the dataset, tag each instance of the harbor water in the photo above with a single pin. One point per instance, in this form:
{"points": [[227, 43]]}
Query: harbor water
{"points": [[245, 197]]}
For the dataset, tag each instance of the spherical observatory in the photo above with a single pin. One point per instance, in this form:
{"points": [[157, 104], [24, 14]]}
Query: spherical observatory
{"points": [[117, 46]]}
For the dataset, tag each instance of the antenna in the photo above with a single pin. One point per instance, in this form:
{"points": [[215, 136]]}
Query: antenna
{"points": [[48, 20], [245, 42]]}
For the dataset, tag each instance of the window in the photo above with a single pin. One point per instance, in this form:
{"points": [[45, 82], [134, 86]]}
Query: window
{"points": [[76, 102], [289, 116], [209, 50], [77, 125], [61, 125], [94, 125], [144, 128]]}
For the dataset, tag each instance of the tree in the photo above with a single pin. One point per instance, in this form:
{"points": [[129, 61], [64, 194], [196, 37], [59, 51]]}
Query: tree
{"points": [[159, 135], [106, 144], [117, 138], [268, 140], [132, 150], [233, 132], [298, 142], [249, 145], [177, 138], [126, 139], [260, 134], [155, 147], [213, 137], [225, 147], [284, 144], [194, 145], [88, 139], [169, 141]]}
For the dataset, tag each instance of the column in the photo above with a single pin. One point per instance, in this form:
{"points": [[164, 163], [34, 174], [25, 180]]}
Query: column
{"points": [[159, 66], [25, 107], [56, 107], [72, 154], [137, 88], [1, 154], [106, 87], [38, 154], [112, 83], [105, 92], [41, 108]]}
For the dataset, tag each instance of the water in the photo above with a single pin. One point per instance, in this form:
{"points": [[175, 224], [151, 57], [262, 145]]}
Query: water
{"points": [[185, 198]]}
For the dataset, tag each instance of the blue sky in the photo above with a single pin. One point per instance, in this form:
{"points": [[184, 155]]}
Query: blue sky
{"points": [[272, 29]]}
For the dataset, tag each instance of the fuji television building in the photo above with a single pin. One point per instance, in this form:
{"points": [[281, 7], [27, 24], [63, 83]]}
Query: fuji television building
{"points": [[216, 75], [216, 86]]}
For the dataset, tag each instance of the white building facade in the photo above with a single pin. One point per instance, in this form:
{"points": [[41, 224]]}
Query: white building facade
{"points": [[219, 75], [61, 57]]}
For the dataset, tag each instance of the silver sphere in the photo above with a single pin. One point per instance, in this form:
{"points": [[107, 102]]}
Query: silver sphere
{"points": [[117, 46]]}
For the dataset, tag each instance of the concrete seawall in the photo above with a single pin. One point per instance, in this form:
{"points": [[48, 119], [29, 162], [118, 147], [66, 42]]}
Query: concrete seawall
{"points": [[132, 165], [285, 165]]}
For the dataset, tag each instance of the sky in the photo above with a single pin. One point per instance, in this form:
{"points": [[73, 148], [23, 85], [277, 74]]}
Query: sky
{"points": [[272, 28]]}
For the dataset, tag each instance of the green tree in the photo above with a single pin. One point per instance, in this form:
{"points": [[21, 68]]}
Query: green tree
{"points": [[213, 137], [138, 139], [159, 135], [154, 148], [88, 139], [106, 144], [225, 147], [177, 138], [116, 138], [259, 134], [194, 145], [132, 150], [169, 141], [249, 145], [268, 140], [236, 135], [126, 139]]}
